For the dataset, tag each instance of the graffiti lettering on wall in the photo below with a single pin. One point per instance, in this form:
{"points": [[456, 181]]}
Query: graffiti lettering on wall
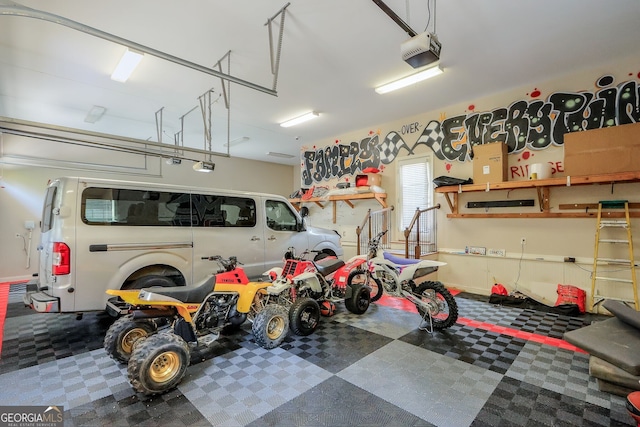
{"points": [[525, 124]]}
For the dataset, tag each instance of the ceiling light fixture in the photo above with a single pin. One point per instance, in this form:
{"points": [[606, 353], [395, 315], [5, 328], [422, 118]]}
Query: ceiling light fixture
{"points": [[95, 113], [237, 141], [281, 155], [127, 65], [305, 117], [409, 80], [204, 167]]}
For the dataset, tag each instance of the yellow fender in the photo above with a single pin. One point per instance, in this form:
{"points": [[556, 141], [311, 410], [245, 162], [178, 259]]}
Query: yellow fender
{"points": [[131, 297], [246, 293]]}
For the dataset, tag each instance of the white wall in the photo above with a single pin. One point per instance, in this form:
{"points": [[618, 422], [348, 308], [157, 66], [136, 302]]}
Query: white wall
{"points": [[539, 266], [28, 164]]}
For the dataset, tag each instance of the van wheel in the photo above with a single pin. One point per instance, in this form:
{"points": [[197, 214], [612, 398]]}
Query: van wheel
{"points": [[152, 280], [123, 334]]}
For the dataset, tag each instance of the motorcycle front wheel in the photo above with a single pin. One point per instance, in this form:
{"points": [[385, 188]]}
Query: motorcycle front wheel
{"points": [[440, 302], [362, 277], [158, 363]]}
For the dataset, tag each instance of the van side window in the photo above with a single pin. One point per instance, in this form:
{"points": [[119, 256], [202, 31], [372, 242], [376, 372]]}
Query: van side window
{"points": [[47, 210], [223, 211], [280, 217], [112, 206]]}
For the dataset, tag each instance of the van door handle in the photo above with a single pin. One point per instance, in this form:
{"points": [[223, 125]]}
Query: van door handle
{"points": [[272, 237], [254, 238]]}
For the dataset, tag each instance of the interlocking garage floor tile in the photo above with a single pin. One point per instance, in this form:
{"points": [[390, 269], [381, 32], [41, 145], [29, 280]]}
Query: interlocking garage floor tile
{"points": [[70, 382], [436, 388], [336, 402], [238, 387], [379, 319], [334, 345], [486, 312], [560, 371], [41, 338], [483, 368], [171, 410], [475, 346], [516, 403], [549, 324]]}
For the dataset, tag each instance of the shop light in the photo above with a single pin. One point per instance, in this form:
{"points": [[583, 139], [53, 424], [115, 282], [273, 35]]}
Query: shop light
{"points": [[281, 155], [126, 66], [305, 117], [409, 80]]}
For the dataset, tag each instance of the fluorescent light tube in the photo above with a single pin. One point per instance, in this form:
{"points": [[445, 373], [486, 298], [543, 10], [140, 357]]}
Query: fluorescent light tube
{"points": [[409, 80], [310, 115], [126, 66], [281, 155]]}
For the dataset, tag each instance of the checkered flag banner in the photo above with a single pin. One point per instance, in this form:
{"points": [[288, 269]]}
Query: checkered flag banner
{"points": [[391, 146], [432, 137]]}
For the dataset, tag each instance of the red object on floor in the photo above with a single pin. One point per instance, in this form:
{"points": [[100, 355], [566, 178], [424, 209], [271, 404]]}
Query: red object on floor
{"points": [[633, 406], [4, 300]]}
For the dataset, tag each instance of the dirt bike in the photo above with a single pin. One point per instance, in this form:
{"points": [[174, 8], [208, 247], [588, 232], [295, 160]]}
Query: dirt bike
{"points": [[307, 287], [397, 276], [165, 324]]}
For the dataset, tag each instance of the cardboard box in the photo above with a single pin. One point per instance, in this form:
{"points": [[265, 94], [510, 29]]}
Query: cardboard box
{"points": [[368, 179], [490, 163], [601, 151]]}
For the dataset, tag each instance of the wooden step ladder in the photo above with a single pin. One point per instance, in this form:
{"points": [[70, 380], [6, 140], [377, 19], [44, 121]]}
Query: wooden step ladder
{"points": [[621, 224]]}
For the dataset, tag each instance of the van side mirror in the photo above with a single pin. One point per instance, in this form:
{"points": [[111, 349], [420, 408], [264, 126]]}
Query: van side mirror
{"points": [[304, 211]]}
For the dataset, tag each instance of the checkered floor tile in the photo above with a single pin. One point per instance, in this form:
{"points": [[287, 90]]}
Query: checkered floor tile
{"points": [[374, 369]]}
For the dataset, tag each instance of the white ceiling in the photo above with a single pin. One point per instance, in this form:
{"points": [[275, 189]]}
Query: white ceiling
{"points": [[334, 53]]}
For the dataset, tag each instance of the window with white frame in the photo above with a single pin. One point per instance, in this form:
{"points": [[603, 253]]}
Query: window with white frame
{"points": [[415, 188]]}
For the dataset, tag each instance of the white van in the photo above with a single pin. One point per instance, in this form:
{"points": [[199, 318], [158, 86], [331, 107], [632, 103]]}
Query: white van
{"points": [[100, 234]]}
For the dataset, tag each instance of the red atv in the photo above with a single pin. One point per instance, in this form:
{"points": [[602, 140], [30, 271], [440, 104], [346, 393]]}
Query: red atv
{"points": [[308, 288]]}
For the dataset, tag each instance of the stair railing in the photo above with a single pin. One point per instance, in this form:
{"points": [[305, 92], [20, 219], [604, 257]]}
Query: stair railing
{"points": [[420, 237], [372, 224]]}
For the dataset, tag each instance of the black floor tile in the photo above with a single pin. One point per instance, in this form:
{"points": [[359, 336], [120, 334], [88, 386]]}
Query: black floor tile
{"points": [[477, 347], [334, 345], [336, 402], [515, 404]]}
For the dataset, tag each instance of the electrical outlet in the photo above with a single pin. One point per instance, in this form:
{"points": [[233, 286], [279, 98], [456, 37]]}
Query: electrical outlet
{"points": [[497, 252], [523, 241]]}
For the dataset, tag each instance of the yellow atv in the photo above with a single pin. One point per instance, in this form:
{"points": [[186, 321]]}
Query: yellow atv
{"points": [[165, 324]]}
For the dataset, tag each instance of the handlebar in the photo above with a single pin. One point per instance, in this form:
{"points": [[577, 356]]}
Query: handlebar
{"points": [[228, 264], [374, 243], [291, 253]]}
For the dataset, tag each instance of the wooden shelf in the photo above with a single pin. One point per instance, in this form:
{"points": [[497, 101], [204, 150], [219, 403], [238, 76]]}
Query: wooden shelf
{"points": [[542, 187], [347, 198]]}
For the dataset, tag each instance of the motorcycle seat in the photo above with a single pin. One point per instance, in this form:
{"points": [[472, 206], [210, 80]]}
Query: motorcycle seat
{"points": [[327, 266], [187, 294], [399, 260]]}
